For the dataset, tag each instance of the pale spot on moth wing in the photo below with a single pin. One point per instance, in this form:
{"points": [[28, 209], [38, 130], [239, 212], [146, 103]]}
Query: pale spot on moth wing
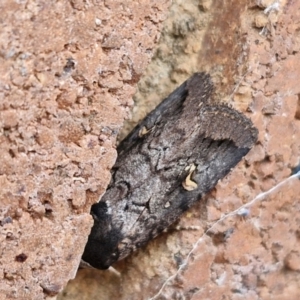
{"points": [[143, 131], [167, 204], [189, 184]]}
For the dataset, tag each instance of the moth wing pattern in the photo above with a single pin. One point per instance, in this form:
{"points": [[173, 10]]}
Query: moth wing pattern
{"points": [[167, 163]]}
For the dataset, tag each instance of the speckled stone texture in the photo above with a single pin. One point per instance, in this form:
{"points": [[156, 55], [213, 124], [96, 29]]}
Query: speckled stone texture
{"points": [[68, 73], [245, 233]]}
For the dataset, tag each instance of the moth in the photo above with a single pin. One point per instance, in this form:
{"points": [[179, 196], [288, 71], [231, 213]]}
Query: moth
{"points": [[167, 163]]}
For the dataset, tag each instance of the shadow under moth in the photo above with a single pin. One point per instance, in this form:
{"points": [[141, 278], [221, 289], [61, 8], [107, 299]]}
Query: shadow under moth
{"points": [[167, 163]]}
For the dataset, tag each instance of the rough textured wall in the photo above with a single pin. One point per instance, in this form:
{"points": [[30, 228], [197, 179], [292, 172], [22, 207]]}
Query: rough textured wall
{"points": [[241, 241], [68, 73]]}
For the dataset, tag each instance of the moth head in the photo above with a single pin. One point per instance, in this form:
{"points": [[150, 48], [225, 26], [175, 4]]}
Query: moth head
{"points": [[101, 250]]}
